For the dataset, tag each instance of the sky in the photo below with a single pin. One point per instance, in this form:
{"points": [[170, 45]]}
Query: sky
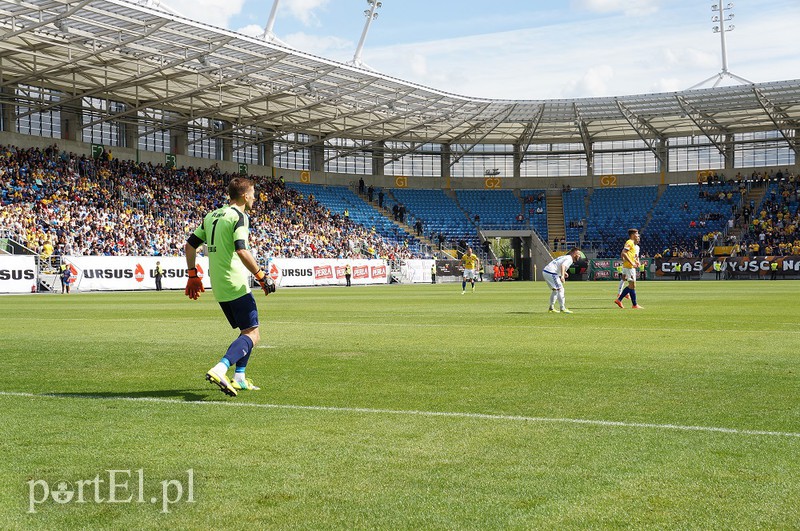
{"points": [[532, 49]]}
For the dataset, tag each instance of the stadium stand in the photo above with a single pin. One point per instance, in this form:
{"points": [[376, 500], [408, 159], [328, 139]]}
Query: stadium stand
{"points": [[339, 199], [439, 214], [612, 211], [496, 209], [63, 204], [536, 210], [684, 213], [772, 228], [575, 213]]}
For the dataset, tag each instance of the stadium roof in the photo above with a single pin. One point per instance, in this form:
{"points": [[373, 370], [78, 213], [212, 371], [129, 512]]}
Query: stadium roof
{"points": [[148, 59]]}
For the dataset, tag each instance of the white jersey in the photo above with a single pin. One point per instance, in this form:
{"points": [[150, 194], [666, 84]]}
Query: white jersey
{"points": [[554, 267]]}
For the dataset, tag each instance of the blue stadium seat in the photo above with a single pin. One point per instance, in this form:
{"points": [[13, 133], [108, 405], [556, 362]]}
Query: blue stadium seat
{"points": [[337, 199]]}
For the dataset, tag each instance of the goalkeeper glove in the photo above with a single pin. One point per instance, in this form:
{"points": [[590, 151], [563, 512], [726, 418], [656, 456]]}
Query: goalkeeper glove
{"points": [[194, 286], [266, 283]]}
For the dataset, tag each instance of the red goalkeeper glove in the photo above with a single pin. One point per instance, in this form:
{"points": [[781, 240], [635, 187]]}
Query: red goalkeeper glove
{"points": [[266, 283], [194, 286]]}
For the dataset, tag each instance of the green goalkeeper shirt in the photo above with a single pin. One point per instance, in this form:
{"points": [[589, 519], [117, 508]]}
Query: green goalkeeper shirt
{"points": [[224, 231]]}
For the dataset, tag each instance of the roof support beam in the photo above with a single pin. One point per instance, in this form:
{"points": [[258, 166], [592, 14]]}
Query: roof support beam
{"points": [[139, 79], [250, 121], [782, 122], [707, 125], [76, 60], [393, 135], [44, 22], [649, 135], [309, 125], [492, 122], [529, 132], [221, 81], [586, 138]]}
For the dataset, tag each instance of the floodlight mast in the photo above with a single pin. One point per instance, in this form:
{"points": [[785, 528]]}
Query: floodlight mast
{"points": [[268, 35], [721, 19], [721, 30], [371, 15]]}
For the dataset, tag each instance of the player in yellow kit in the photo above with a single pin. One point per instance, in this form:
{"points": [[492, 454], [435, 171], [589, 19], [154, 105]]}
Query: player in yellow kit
{"points": [[630, 264], [470, 262]]}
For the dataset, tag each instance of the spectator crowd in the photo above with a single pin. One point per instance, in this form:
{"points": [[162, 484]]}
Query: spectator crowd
{"points": [[60, 203]]}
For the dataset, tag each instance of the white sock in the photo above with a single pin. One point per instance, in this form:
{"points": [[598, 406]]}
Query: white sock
{"points": [[561, 300], [219, 369], [621, 287], [238, 376], [553, 294]]}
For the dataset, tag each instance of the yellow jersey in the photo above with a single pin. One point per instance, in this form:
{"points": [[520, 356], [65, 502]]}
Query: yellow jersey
{"points": [[629, 254], [470, 261]]}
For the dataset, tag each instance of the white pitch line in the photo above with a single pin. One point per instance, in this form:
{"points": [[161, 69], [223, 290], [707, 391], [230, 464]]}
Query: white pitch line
{"points": [[405, 324], [416, 413]]}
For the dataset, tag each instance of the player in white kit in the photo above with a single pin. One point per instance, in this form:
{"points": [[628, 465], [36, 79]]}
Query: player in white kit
{"points": [[555, 273]]}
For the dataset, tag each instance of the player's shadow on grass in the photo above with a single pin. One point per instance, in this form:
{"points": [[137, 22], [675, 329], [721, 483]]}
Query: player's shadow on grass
{"points": [[188, 395]]}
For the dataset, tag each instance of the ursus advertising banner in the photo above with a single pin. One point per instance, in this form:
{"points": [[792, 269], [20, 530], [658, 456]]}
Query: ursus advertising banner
{"points": [[129, 273], [17, 274], [288, 272]]}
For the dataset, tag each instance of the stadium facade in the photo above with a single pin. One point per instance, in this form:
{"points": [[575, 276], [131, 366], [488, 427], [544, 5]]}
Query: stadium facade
{"points": [[149, 85]]}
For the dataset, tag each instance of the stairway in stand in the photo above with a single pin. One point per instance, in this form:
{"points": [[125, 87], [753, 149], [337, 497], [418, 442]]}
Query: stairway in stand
{"points": [[555, 216], [756, 195], [388, 215]]}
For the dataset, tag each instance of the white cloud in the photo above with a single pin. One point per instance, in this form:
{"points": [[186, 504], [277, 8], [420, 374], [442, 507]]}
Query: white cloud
{"points": [[252, 30], [689, 58], [329, 46], [419, 64], [594, 82], [598, 51], [671, 84], [305, 10], [627, 7], [214, 12]]}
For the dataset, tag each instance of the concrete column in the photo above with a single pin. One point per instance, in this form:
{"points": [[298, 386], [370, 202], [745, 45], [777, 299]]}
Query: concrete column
{"points": [[130, 132], [517, 161], [796, 147], [445, 157], [663, 152], [730, 152], [266, 150], [526, 271], [316, 158], [179, 140], [71, 123], [378, 151], [9, 110], [227, 142], [590, 161]]}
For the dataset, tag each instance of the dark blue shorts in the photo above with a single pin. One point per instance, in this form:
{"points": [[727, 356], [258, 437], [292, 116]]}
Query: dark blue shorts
{"points": [[242, 312]]}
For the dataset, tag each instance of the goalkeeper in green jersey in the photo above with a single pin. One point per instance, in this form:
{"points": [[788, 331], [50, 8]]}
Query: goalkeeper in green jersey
{"points": [[225, 233]]}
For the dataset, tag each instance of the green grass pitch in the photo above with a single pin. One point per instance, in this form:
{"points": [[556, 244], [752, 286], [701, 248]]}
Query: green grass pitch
{"points": [[411, 407]]}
